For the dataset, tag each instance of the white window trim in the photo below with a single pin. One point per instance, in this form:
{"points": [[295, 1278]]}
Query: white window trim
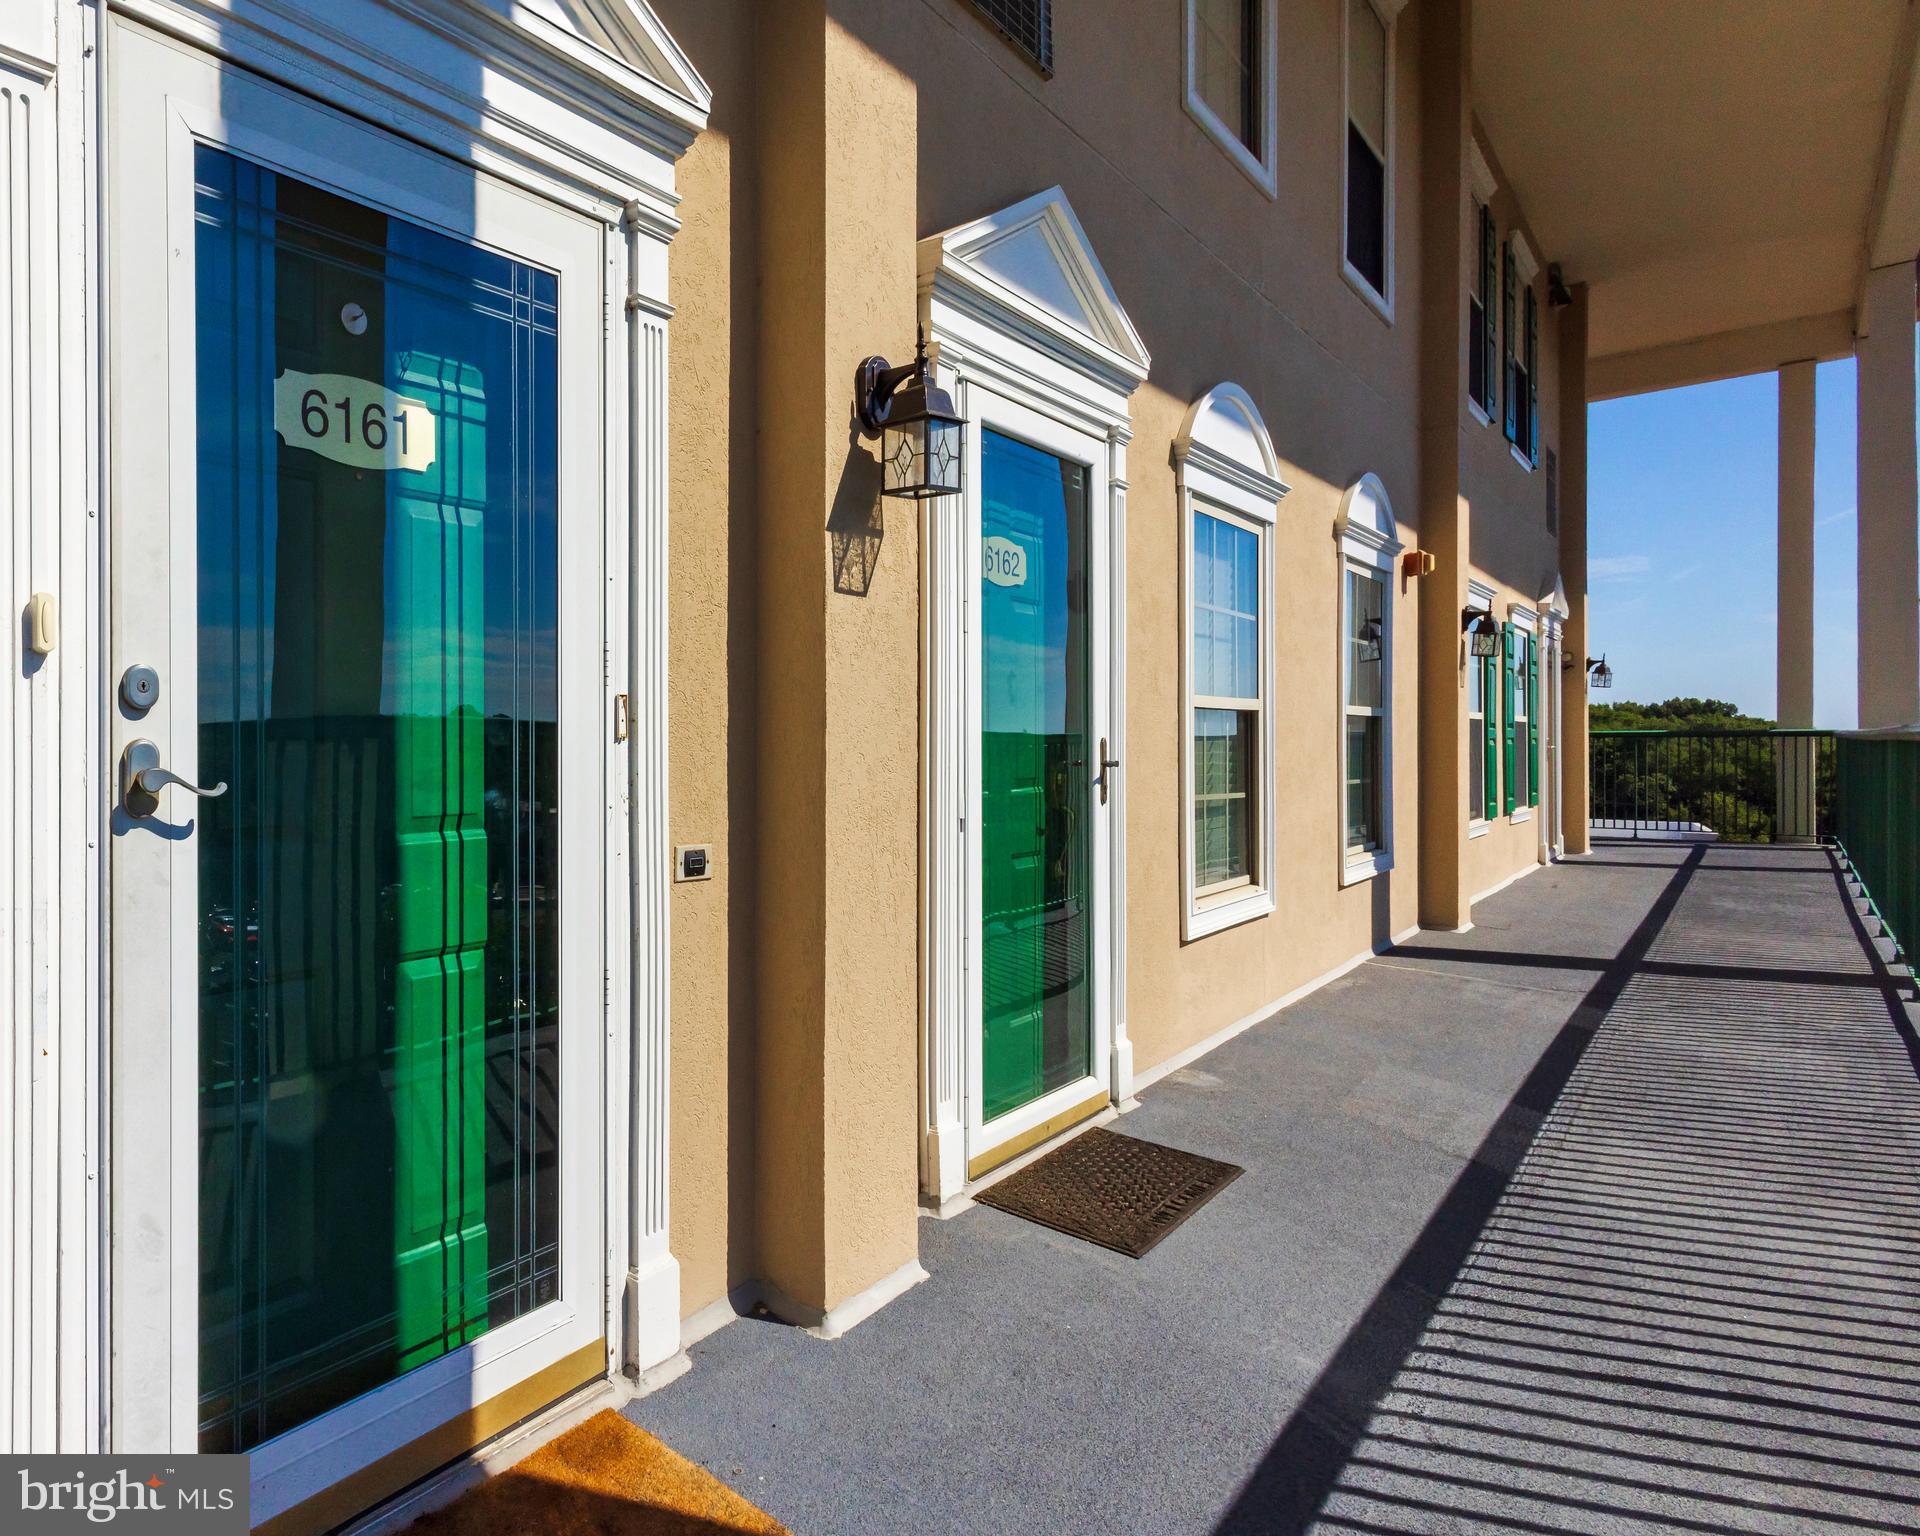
{"points": [[1369, 542], [1262, 167], [1527, 621], [1526, 267], [1480, 598], [1380, 303], [1481, 189], [1225, 466]]}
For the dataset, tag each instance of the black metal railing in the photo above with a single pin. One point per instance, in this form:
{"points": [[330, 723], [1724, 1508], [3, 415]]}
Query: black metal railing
{"points": [[1739, 786]]}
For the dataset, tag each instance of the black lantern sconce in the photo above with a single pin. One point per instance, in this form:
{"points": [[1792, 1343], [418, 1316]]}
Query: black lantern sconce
{"points": [[1483, 634], [918, 428], [1599, 674], [1369, 637]]}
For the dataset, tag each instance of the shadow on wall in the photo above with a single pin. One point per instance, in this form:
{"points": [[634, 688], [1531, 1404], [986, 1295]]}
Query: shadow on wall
{"points": [[857, 523]]}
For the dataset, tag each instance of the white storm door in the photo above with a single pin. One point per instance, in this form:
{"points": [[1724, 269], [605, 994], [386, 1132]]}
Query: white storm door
{"points": [[357, 1117], [1040, 1037]]}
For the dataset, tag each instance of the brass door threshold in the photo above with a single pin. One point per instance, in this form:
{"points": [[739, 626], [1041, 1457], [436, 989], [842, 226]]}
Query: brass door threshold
{"points": [[1046, 1130]]}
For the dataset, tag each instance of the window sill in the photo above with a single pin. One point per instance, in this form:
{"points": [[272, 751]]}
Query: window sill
{"points": [[1228, 909], [1376, 301], [1473, 410], [1365, 866], [1524, 813], [1478, 828], [1520, 458]]}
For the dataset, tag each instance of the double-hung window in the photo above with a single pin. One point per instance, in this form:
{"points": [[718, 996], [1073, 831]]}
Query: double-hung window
{"points": [[1226, 700], [1369, 555], [1481, 355], [1366, 708], [1520, 312], [1368, 225], [1232, 57], [1229, 496]]}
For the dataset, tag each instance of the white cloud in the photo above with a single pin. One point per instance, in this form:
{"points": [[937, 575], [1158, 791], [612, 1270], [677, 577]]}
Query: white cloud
{"points": [[1617, 567], [1835, 517]]}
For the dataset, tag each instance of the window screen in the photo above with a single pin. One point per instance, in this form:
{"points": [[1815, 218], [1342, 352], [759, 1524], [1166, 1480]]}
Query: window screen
{"points": [[1027, 24]]}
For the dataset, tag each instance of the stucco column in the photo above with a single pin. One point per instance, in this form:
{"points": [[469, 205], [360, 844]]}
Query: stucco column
{"points": [[1446, 35], [837, 876], [1889, 543], [1573, 567], [1795, 758], [1793, 643]]}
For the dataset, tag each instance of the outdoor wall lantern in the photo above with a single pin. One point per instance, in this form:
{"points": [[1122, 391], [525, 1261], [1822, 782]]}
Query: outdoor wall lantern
{"points": [[1483, 635], [1599, 674], [915, 421]]}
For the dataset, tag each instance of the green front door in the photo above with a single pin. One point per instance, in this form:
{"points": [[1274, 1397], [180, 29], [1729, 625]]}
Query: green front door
{"points": [[377, 557], [1035, 779]]}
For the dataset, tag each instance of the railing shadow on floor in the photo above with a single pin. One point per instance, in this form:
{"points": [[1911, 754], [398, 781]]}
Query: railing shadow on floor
{"points": [[1597, 1353]]}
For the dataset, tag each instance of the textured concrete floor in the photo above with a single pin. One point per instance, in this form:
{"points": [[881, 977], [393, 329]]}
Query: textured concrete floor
{"points": [[1602, 1217]]}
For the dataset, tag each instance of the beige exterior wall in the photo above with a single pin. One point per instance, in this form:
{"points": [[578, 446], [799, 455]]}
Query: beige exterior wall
{"points": [[842, 131]]}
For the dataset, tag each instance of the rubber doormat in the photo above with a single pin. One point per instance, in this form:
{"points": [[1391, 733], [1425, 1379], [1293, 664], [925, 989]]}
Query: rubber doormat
{"points": [[1118, 1191]]}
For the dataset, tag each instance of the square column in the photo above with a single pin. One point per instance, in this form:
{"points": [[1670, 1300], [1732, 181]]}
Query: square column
{"points": [[1795, 759], [1446, 34], [1889, 569], [1573, 569], [1793, 642]]}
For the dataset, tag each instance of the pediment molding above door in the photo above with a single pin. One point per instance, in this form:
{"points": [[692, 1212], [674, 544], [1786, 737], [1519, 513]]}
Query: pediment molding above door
{"points": [[590, 101], [1030, 274]]}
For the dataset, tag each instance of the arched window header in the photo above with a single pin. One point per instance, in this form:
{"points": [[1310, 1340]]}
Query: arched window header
{"points": [[1223, 453], [1366, 527]]}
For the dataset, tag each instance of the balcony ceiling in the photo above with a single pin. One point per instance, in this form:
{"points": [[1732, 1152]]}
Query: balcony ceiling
{"points": [[1715, 171]]}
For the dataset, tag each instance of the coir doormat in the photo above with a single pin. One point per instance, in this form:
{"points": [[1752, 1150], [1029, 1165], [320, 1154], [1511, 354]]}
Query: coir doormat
{"points": [[606, 1477], [1118, 1191]]}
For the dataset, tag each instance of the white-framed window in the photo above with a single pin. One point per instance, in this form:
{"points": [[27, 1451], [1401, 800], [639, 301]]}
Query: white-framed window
{"points": [[1366, 223], [1232, 54], [1521, 314], [1230, 490], [1369, 559], [1482, 284], [1522, 759], [1520, 699]]}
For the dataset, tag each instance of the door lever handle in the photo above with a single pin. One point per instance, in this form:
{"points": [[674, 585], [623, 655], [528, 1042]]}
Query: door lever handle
{"points": [[1105, 763], [142, 778]]}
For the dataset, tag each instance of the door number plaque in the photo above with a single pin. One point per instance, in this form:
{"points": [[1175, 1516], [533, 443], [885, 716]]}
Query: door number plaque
{"points": [[353, 421]]}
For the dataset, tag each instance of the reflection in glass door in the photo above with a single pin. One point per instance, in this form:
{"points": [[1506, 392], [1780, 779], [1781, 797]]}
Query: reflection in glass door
{"points": [[378, 889], [1035, 783]]}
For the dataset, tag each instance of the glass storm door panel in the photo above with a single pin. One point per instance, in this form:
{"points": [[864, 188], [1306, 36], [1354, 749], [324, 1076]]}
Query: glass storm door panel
{"points": [[378, 907], [1035, 790]]}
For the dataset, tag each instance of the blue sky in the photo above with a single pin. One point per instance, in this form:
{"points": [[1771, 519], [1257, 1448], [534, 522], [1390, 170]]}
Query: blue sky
{"points": [[1681, 496]]}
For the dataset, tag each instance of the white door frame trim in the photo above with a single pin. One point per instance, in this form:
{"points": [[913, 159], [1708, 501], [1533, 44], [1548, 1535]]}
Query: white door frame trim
{"points": [[598, 136], [1066, 370]]}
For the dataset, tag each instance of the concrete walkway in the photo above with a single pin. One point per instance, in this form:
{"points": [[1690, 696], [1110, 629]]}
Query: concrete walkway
{"points": [[1602, 1217]]}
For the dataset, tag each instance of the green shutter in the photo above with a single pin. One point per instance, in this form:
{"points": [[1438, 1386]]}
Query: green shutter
{"points": [[1489, 742], [1506, 718], [1506, 344], [1533, 721], [1532, 444], [1489, 338]]}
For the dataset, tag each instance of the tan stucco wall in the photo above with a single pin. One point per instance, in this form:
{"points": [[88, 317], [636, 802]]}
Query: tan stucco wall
{"points": [[795, 703], [1222, 283]]}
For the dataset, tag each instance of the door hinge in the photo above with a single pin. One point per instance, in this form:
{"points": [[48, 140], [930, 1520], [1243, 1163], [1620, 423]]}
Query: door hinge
{"points": [[619, 717]]}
